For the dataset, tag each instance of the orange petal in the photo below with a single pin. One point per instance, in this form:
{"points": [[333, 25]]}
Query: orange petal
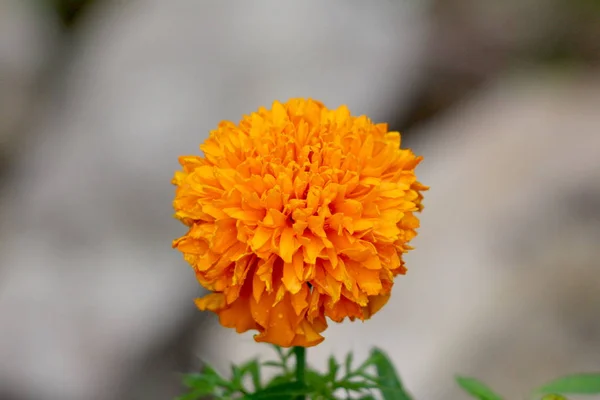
{"points": [[261, 237], [265, 271], [350, 208], [312, 199], [225, 236], [189, 245], [274, 219], [290, 279], [238, 316], [242, 266], [244, 215], [211, 302], [315, 224], [298, 262], [281, 291], [375, 304], [312, 249], [287, 244], [279, 114], [258, 287], [273, 200], [372, 262], [340, 273], [261, 309], [363, 224], [213, 211], [368, 280], [344, 308], [279, 329], [307, 335], [315, 302], [300, 300]]}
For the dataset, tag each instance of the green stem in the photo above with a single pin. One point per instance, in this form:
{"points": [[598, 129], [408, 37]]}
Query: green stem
{"points": [[300, 353]]}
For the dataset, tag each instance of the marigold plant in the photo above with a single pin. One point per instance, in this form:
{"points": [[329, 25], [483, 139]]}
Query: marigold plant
{"points": [[297, 215]]}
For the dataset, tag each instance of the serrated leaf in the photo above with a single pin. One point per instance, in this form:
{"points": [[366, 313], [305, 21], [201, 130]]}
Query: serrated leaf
{"points": [[573, 384], [390, 384], [477, 389], [287, 390]]}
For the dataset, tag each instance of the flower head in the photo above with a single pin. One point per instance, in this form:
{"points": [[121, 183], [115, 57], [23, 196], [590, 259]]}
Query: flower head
{"points": [[297, 214]]}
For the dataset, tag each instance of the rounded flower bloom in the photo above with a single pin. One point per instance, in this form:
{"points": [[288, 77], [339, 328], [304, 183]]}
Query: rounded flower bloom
{"points": [[297, 214]]}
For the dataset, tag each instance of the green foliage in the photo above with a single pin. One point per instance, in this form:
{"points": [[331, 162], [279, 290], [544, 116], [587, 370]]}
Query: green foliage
{"points": [[374, 378], [285, 390], [572, 384], [391, 386], [375, 374], [477, 389]]}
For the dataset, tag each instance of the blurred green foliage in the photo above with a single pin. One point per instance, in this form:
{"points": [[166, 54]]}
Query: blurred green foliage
{"points": [[578, 384], [376, 375]]}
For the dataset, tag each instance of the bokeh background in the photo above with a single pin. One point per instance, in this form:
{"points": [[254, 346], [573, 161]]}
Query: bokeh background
{"points": [[98, 98]]}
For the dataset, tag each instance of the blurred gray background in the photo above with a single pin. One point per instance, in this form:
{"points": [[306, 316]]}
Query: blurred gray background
{"points": [[98, 98]]}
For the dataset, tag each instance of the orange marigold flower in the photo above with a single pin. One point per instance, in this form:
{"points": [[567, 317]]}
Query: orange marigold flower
{"points": [[297, 214]]}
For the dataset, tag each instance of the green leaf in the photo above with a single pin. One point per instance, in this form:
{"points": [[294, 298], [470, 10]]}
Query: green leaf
{"points": [[194, 395], [281, 379], [191, 380], [573, 384], [366, 364], [355, 386], [213, 376], [236, 376], [208, 382], [286, 390], [368, 377], [477, 389], [201, 383], [319, 383], [554, 397], [391, 386], [333, 369], [253, 368], [273, 364], [280, 353], [348, 363], [284, 354]]}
